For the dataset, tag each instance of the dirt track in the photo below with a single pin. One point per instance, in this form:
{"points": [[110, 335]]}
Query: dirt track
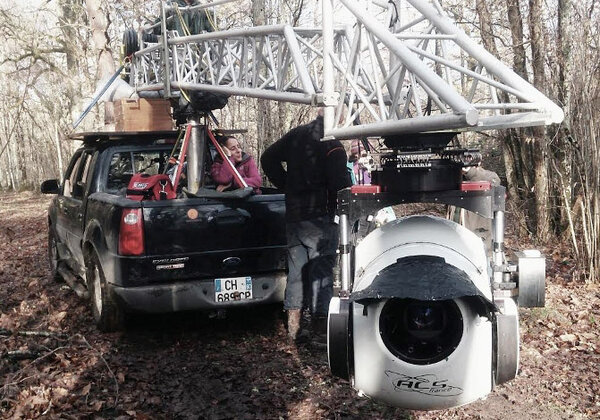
{"points": [[189, 366]]}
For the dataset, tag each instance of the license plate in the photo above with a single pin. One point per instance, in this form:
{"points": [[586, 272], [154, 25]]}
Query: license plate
{"points": [[232, 289]]}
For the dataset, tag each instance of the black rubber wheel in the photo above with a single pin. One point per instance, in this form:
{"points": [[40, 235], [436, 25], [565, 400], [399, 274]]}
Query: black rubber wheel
{"points": [[107, 313], [130, 42], [53, 256]]}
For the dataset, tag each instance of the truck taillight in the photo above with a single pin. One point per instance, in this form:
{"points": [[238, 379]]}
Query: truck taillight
{"points": [[131, 235]]}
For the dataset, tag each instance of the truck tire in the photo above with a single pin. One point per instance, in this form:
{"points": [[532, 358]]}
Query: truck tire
{"points": [[107, 313], [53, 256]]}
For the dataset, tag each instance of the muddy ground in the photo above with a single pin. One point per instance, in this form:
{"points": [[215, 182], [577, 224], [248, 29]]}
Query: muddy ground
{"points": [[190, 366]]}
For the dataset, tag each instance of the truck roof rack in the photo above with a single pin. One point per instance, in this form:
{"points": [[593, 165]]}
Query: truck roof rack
{"points": [[93, 136]]}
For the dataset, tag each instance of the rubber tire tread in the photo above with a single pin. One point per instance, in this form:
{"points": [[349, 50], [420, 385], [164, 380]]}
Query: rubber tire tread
{"points": [[53, 268], [112, 317]]}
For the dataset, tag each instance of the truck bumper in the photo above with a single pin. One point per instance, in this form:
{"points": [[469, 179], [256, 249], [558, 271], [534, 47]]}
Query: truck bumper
{"points": [[196, 295]]}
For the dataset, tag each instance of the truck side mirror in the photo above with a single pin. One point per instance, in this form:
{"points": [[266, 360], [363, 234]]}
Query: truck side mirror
{"points": [[50, 186]]}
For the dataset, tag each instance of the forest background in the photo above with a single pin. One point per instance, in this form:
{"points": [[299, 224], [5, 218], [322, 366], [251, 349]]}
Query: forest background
{"points": [[53, 53]]}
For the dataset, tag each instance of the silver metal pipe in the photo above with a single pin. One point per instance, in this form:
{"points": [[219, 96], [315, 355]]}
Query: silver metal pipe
{"points": [[408, 125], [151, 88], [139, 54], [299, 98], [296, 54], [328, 76], [306, 32], [345, 268], [398, 29], [194, 158], [230, 34], [396, 77], [520, 105], [165, 58], [498, 243], [521, 119], [423, 36]]}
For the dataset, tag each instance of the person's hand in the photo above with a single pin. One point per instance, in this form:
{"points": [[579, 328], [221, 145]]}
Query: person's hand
{"points": [[221, 188]]}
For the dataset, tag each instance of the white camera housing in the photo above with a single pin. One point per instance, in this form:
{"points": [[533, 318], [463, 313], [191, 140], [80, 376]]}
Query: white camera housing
{"points": [[445, 339]]}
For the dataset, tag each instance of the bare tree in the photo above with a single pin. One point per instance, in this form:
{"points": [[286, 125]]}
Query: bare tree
{"points": [[98, 20], [561, 150]]}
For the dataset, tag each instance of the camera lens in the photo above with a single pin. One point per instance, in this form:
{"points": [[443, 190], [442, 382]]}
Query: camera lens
{"points": [[421, 332], [424, 320]]}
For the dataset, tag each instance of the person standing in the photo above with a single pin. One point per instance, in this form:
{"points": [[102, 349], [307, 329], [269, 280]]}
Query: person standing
{"points": [[315, 172], [360, 172]]}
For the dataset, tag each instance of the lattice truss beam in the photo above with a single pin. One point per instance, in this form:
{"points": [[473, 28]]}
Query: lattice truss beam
{"points": [[405, 68], [273, 62]]}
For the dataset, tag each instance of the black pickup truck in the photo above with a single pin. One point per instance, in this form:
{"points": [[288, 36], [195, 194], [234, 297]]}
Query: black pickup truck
{"points": [[188, 253]]}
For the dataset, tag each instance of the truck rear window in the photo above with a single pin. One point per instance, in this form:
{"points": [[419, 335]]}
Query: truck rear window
{"points": [[124, 164]]}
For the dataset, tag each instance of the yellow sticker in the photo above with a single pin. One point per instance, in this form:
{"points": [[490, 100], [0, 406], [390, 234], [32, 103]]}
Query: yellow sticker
{"points": [[192, 214]]}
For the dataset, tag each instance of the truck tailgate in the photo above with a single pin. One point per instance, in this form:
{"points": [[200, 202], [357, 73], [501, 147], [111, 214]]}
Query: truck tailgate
{"points": [[218, 236]]}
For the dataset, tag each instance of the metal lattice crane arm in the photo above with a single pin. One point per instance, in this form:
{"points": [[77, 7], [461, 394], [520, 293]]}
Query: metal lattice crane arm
{"points": [[418, 73]]}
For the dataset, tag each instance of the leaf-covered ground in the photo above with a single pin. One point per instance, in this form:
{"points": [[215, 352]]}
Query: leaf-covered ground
{"points": [[54, 364]]}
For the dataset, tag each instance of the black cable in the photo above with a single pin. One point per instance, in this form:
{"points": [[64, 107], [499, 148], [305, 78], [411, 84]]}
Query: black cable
{"points": [[396, 16]]}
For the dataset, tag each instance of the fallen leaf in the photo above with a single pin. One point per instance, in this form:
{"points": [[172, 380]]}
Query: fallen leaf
{"points": [[60, 392], [154, 400], [568, 338], [86, 389]]}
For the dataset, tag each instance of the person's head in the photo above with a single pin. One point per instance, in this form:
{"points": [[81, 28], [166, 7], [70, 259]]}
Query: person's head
{"points": [[357, 150], [233, 145]]}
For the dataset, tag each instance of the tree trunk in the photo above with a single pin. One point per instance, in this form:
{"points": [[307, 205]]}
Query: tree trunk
{"points": [[70, 18], [515, 20], [485, 27], [540, 148], [511, 150], [561, 150], [57, 138], [520, 154], [99, 23], [263, 120]]}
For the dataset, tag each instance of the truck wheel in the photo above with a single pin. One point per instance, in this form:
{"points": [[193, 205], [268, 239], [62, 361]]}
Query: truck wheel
{"points": [[107, 313], [53, 257]]}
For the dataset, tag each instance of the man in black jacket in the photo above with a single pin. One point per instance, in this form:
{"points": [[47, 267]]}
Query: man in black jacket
{"points": [[316, 171]]}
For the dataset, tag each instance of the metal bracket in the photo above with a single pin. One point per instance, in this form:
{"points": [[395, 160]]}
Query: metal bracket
{"points": [[323, 99]]}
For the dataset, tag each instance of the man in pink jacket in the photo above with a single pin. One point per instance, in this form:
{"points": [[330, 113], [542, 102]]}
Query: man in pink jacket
{"points": [[244, 163]]}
